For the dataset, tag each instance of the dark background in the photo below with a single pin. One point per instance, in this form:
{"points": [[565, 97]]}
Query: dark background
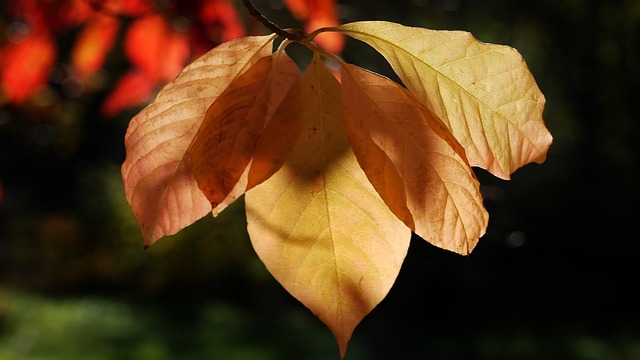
{"points": [[555, 277]]}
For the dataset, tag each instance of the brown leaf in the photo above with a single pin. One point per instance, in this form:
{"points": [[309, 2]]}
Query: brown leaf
{"points": [[318, 224], [233, 125], [413, 162], [162, 192]]}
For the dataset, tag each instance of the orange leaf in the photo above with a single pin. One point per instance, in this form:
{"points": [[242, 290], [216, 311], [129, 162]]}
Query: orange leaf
{"points": [[416, 166], [300, 9], [330, 41], [26, 65], [176, 55], [93, 44], [133, 89], [317, 14], [161, 190], [152, 46], [318, 224], [325, 14], [220, 16], [131, 8], [74, 12], [233, 125]]}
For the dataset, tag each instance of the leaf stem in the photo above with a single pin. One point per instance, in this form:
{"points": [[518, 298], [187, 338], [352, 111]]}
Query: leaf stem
{"points": [[316, 49], [324, 29], [293, 35]]}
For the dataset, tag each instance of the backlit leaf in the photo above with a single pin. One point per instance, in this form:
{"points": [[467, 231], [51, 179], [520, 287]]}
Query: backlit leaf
{"points": [[413, 162], [317, 14], [131, 8], [26, 65], [226, 141], [220, 17], [300, 9], [162, 192], [133, 89], [318, 224], [93, 43], [484, 93], [149, 39]]}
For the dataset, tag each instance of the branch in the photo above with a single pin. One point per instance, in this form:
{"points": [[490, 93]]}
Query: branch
{"points": [[295, 35]]}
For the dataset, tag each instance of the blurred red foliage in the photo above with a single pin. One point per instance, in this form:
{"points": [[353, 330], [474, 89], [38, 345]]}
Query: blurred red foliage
{"points": [[25, 65], [159, 39], [316, 14], [93, 43]]}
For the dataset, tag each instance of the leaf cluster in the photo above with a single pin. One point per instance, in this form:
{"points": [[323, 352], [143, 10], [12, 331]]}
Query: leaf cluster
{"points": [[338, 165]]}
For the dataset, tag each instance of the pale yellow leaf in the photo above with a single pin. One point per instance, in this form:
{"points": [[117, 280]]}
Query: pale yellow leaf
{"points": [[318, 224], [226, 141], [484, 93], [415, 165], [161, 191]]}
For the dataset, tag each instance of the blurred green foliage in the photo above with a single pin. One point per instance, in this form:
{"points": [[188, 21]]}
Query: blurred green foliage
{"points": [[555, 277], [92, 327], [96, 328]]}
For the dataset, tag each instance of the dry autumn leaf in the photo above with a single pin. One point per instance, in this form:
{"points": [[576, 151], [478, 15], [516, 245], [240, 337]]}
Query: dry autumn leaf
{"points": [[484, 93], [336, 173], [225, 143], [317, 224], [162, 192], [415, 165]]}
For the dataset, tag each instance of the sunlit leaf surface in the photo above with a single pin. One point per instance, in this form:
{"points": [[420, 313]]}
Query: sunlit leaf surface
{"points": [[417, 167], [318, 224], [161, 190], [484, 93]]}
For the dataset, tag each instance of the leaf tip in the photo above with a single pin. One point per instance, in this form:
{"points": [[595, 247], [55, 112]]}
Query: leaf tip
{"points": [[343, 343], [343, 349], [147, 244], [148, 241]]}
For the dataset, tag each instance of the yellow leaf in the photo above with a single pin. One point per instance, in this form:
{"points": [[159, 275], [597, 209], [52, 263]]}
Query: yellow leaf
{"points": [[160, 189], [413, 162], [484, 93], [226, 141], [318, 224]]}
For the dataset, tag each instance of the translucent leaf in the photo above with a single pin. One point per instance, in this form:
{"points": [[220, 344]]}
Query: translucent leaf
{"points": [[318, 224], [227, 139], [163, 194], [316, 14], [413, 162], [133, 89], [484, 93], [149, 39], [93, 43], [221, 18], [25, 66]]}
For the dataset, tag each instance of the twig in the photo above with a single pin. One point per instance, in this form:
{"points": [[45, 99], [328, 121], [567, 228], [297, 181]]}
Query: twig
{"points": [[295, 35]]}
